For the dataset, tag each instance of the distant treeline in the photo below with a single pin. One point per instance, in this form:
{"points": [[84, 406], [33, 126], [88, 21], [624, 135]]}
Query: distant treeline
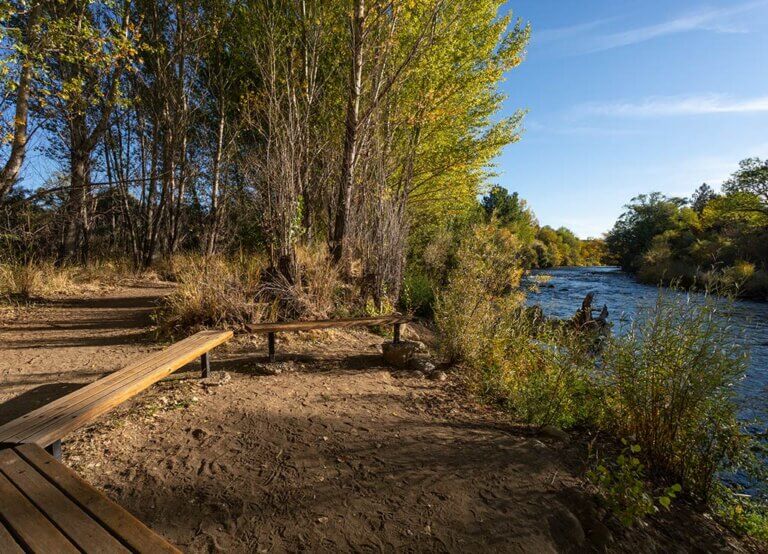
{"points": [[715, 241], [543, 247], [435, 247]]}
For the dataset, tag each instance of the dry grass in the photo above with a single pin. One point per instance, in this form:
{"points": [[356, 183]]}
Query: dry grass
{"points": [[233, 292], [22, 282], [319, 291], [211, 292]]}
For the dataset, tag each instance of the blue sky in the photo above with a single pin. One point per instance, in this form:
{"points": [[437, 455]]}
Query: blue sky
{"points": [[627, 97]]}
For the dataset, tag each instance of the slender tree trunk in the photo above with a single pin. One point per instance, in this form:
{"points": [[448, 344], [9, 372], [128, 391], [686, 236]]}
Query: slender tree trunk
{"points": [[213, 220], [74, 215], [349, 161], [10, 171], [178, 208]]}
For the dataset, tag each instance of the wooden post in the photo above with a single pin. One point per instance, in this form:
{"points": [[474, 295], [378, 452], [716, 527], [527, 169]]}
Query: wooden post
{"points": [[205, 365], [271, 346], [54, 449], [396, 334]]}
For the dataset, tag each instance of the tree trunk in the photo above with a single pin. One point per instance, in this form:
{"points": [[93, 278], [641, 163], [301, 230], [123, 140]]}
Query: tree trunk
{"points": [[349, 160], [12, 166], [213, 219], [74, 214]]}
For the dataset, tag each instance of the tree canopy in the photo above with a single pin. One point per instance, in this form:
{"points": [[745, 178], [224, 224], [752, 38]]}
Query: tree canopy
{"points": [[712, 240]]}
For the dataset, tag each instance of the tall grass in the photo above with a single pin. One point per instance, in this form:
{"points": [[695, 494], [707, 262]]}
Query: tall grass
{"points": [[25, 281], [19, 281], [234, 291], [210, 292]]}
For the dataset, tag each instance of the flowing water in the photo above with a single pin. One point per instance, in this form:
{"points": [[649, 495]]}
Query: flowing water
{"points": [[562, 295]]}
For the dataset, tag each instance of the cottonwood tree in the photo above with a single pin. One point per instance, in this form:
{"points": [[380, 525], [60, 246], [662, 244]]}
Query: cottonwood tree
{"points": [[95, 43], [266, 124], [751, 180], [427, 139], [22, 49]]}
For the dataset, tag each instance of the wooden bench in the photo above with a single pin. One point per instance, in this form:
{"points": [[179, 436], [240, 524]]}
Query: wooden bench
{"points": [[45, 507], [47, 425], [271, 329]]}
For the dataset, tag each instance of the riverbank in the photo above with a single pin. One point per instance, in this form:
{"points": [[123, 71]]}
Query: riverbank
{"points": [[334, 452], [625, 298]]}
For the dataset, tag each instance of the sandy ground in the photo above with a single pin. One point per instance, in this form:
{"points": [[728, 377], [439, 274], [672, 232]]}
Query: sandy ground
{"points": [[335, 453]]}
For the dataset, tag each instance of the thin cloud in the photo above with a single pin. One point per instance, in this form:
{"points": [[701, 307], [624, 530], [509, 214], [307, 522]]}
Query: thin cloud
{"points": [[561, 129], [717, 20], [661, 106], [561, 33]]}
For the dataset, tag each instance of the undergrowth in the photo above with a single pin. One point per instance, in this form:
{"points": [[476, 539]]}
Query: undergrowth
{"points": [[23, 282], [232, 292], [665, 385]]}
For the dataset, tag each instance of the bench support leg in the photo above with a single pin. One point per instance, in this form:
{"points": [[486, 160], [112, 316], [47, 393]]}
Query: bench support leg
{"points": [[205, 365], [271, 346], [54, 449], [396, 334]]}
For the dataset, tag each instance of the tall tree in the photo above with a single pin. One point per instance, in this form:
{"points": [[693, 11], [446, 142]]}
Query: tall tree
{"points": [[750, 180], [95, 45], [25, 51]]}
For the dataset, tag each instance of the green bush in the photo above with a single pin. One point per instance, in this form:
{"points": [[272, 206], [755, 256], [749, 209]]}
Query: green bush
{"points": [[668, 383], [742, 514], [418, 294], [483, 286], [537, 371], [625, 489], [663, 385]]}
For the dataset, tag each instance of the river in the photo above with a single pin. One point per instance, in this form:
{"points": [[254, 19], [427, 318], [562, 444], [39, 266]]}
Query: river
{"points": [[563, 294]]}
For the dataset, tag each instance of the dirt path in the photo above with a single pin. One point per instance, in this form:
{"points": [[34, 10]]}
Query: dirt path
{"points": [[53, 347], [336, 453]]}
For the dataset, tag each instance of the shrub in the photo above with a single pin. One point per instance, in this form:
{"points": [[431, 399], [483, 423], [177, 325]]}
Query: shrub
{"points": [[667, 383], [625, 489], [418, 294], [742, 514], [539, 372], [484, 285], [733, 278], [533, 369]]}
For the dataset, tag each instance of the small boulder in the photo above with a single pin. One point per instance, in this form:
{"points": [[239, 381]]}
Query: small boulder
{"points": [[216, 379], [438, 376], [399, 354], [421, 364], [552, 432], [566, 529]]}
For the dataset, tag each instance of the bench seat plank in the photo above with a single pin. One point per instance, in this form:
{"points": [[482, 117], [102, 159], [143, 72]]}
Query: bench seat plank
{"points": [[29, 525], [326, 324], [8, 544], [52, 421], [110, 515], [115, 379], [83, 531]]}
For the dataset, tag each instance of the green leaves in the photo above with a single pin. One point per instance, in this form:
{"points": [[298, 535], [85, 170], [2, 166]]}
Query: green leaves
{"points": [[625, 488]]}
